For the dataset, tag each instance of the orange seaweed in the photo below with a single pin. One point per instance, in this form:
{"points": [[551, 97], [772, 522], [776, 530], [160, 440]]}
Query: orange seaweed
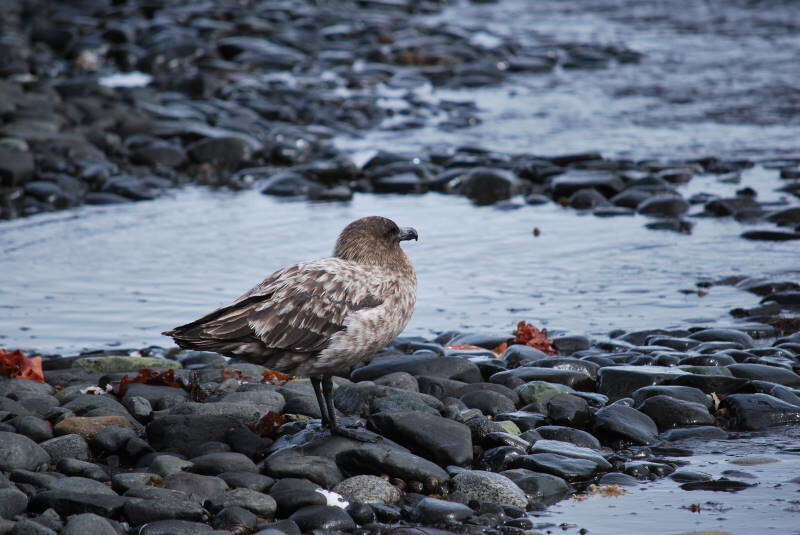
{"points": [[268, 424], [527, 334], [14, 364], [148, 377], [272, 377]]}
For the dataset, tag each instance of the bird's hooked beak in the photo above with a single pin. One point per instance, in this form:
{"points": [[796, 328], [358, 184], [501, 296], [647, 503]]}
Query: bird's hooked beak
{"points": [[408, 233]]}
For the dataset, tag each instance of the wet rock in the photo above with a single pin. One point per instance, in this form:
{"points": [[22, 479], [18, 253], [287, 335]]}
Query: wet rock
{"points": [[444, 441], [723, 335], [538, 485], [29, 527], [206, 487], [88, 426], [12, 502], [368, 398], [232, 518], [32, 427], [763, 372], [519, 376], [377, 460], [569, 410], [174, 527], [248, 480], [717, 485], [159, 397], [570, 450], [668, 412], [620, 381], [486, 487], [618, 478], [112, 438], [149, 504], [226, 152], [291, 494], [524, 420], [66, 447], [421, 364], [488, 402], [262, 505], [179, 433], [538, 393], [663, 205], [487, 186], [518, 355], [325, 517], [568, 468], [67, 503], [567, 434], [647, 470], [131, 187], [684, 476], [368, 489], [217, 463], [587, 198], [567, 345], [17, 166], [20, 452], [709, 384], [770, 235], [685, 393], [440, 512], [619, 423], [74, 467], [122, 483], [291, 463], [88, 523], [82, 485], [752, 412], [608, 184]]}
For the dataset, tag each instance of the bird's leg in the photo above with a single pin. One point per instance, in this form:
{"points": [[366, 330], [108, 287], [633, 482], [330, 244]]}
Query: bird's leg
{"points": [[316, 382], [361, 435]]}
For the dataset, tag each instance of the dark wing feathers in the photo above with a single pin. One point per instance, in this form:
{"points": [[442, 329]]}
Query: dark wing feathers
{"points": [[296, 310]]}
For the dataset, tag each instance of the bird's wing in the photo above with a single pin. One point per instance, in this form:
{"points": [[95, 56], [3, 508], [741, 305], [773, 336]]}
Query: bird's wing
{"points": [[296, 309]]}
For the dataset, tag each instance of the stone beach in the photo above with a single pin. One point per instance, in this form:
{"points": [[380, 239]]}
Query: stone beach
{"points": [[220, 449], [110, 103]]}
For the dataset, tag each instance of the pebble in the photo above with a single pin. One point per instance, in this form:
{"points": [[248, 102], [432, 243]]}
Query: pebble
{"points": [[325, 517], [20, 452], [439, 439], [368, 489]]}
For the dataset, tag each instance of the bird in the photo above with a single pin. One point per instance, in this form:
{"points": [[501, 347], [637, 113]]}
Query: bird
{"points": [[319, 318]]}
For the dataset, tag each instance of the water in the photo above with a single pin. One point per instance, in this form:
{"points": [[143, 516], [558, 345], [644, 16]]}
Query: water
{"points": [[662, 507], [120, 275]]}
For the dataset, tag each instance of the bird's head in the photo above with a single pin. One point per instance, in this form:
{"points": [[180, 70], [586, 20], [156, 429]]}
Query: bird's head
{"points": [[373, 240]]}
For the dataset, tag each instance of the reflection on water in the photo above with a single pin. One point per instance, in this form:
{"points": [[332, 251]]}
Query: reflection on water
{"points": [[122, 274]]}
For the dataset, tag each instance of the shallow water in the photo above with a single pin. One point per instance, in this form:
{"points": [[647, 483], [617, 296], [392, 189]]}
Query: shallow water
{"points": [[662, 507], [717, 78], [120, 275]]}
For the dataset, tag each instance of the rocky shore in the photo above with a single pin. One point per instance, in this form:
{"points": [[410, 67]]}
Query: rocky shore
{"points": [[471, 431], [251, 95]]}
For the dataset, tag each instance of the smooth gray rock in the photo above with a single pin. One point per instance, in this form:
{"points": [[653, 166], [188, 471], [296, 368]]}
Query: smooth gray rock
{"points": [[486, 487], [262, 505], [621, 423], [442, 440], [538, 485], [87, 524], [324, 517], [20, 452], [12, 502], [67, 447], [368, 489]]}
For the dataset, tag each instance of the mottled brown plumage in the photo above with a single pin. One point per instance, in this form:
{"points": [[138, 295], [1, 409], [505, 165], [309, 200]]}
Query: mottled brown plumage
{"points": [[318, 318]]}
